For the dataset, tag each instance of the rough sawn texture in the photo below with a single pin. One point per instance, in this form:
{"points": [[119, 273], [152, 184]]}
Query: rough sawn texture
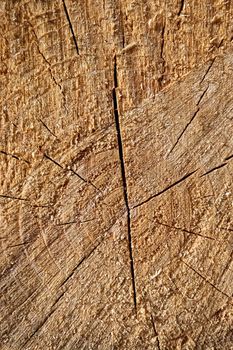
{"points": [[116, 163]]}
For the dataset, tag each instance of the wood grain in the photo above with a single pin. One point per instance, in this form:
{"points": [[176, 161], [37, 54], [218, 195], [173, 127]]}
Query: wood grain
{"points": [[116, 174]]}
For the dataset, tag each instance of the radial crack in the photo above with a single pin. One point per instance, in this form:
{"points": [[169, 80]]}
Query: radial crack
{"points": [[183, 131], [47, 128], [12, 197], [71, 26], [184, 230], [122, 29], [213, 169], [189, 123], [181, 8], [160, 80], [72, 171], [86, 256], [208, 69], [124, 182], [87, 181], [204, 278], [48, 65], [164, 190], [53, 161], [202, 95], [14, 156], [61, 295], [155, 332], [229, 157], [18, 245], [42, 323]]}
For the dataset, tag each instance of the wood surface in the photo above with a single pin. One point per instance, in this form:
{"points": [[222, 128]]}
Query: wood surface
{"points": [[116, 166]]}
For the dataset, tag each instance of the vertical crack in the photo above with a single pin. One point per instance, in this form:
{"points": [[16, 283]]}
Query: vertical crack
{"points": [[71, 26], [122, 28], [181, 8], [155, 332], [161, 78], [124, 182]]}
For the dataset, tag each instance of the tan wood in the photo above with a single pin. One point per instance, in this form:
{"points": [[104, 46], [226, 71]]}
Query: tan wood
{"points": [[116, 155]]}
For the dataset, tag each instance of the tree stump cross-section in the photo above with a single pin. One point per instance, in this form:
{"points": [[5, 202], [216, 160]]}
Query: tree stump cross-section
{"points": [[116, 163]]}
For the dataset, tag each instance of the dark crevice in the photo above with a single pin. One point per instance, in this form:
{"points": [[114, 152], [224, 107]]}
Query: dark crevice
{"points": [[124, 182], [38, 328], [14, 156], [48, 64], [204, 278], [227, 266], [160, 80], [183, 131], [53, 309], [202, 96], [12, 197], [165, 189], [155, 332], [208, 69], [82, 178], [181, 8], [215, 168], [122, 31], [191, 120], [184, 230], [71, 26], [87, 220], [86, 256], [220, 43], [218, 166], [73, 172], [58, 299], [47, 128], [53, 161], [229, 157], [123, 38], [18, 245], [225, 228]]}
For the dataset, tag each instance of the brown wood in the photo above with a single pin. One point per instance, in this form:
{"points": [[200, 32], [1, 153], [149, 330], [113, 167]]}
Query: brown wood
{"points": [[116, 156]]}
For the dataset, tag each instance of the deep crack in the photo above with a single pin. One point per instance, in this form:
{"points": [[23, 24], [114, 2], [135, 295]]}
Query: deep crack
{"points": [[124, 182], [181, 8], [71, 26]]}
